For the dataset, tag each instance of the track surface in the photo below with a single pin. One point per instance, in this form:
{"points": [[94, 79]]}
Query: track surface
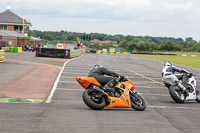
{"points": [[68, 113]]}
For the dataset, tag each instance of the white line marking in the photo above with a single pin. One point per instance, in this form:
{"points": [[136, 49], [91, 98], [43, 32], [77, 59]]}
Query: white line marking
{"points": [[68, 77], [68, 82], [148, 94], [150, 106], [67, 101], [145, 82], [151, 87], [66, 89], [76, 73], [163, 107], [57, 80]]}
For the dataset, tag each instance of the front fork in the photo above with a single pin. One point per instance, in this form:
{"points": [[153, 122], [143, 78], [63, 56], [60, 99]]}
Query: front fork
{"points": [[185, 91], [181, 86]]}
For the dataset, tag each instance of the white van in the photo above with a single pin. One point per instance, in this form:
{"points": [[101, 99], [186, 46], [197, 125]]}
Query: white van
{"points": [[59, 46]]}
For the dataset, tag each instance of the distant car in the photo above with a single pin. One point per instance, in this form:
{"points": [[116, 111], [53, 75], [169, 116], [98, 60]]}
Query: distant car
{"points": [[93, 50], [59, 46], [88, 50]]}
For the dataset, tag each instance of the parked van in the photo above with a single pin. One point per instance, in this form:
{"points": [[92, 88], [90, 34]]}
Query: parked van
{"points": [[59, 46]]}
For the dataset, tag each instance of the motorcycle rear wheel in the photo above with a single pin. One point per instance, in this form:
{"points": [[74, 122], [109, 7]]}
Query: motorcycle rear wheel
{"points": [[137, 102], [91, 99], [176, 95]]}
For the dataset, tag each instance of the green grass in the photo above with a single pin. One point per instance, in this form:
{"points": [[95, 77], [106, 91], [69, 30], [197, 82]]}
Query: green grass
{"points": [[187, 53], [186, 61]]}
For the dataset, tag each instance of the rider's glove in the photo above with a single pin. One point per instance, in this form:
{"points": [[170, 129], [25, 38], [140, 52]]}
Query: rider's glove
{"points": [[190, 75], [121, 78]]}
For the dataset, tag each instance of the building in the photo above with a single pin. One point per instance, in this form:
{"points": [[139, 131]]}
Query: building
{"points": [[96, 41], [112, 42], [12, 22], [35, 42], [13, 38], [104, 42], [114, 49], [14, 30]]}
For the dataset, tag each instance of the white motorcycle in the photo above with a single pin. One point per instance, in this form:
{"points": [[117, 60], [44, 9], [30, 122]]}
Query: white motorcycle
{"points": [[178, 94]]}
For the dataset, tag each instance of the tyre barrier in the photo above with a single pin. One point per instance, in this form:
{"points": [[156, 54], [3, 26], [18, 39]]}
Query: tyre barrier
{"points": [[12, 49], [108, 52], [188, 55], [2, 56], [52, 52]]}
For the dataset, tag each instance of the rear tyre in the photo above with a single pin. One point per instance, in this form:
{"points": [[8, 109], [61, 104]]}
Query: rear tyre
{"points": [[176, 94], [198, 96], [93, 99], [137, 102]]}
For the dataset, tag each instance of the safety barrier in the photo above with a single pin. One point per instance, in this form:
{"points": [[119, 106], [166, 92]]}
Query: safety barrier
{"points": [[52, 52], [58, 53], [12, 49], [75, 53], [188, 55], [2, 56], [108, 52]]}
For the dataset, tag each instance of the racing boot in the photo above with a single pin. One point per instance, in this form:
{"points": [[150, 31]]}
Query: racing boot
{"points": [[109, 86], [183, 88]]}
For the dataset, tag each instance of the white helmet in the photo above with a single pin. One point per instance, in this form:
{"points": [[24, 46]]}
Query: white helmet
{"points": [[168, 63], [96, 66]]}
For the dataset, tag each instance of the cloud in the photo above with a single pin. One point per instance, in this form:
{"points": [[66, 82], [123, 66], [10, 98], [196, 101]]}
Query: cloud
{"points": [[120, 10], [137, 17], [179, 6]]}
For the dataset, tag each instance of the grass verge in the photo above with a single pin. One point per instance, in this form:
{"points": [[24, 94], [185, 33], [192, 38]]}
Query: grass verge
{"points": [[186, 61], [14, 99]]}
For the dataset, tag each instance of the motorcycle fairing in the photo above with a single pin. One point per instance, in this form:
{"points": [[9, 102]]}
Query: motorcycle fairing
{"points": [[86, 81], [193, 83], [124, 100]]}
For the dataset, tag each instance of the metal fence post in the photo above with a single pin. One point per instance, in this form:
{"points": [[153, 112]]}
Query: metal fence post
{"points": [[68, 53]]}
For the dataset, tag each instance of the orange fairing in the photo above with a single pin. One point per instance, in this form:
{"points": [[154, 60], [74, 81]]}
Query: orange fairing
{"points": [[130, 82], [86, 81], [124, 100]]}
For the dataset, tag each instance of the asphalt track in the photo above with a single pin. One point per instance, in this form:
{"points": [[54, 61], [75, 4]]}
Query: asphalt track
{"points": [[66, 112]]}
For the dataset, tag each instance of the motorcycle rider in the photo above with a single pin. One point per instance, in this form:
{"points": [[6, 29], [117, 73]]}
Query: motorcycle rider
{"points": [[169, 77], [106, 78]]}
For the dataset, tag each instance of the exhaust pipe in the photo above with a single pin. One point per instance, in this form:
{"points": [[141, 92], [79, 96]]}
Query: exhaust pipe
{"points": [[100, 90]]}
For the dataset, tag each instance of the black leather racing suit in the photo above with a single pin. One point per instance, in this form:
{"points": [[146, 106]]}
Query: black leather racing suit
{"points": [[100, 75]]}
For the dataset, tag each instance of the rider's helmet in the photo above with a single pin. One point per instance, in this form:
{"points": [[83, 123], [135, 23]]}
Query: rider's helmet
{"points": [[168, 63], [96, 66]]}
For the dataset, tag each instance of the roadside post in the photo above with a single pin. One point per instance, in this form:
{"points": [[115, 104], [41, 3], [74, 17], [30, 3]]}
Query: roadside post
{"points": [[2, 56]]}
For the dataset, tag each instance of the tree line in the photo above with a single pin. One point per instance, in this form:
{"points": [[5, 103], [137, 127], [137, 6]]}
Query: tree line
{"points": [[126, 43]]}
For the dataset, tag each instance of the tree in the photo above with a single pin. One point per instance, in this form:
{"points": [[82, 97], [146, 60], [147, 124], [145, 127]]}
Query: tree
{"points": [[196, 47], [49, 37], [131, 46], [141, 46], [124, 45], [178, 47], [167, 46], [188, 39]]}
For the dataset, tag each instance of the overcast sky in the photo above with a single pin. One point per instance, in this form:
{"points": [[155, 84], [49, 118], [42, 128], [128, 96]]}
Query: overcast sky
{"points": [[158, 18]]}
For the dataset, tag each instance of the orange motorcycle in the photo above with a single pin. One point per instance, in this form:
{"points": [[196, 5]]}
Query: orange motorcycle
{"points": [[121, 96]]}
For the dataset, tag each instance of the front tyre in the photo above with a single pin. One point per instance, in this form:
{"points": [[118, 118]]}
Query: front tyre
{"points": [[176, 94], [93, 99], [198, 96], [137, 102]]}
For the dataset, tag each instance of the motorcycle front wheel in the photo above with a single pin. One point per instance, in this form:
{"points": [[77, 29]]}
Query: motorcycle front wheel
{"points": [[176, 94], [198, 96], [94, 99], [137, 102]]}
